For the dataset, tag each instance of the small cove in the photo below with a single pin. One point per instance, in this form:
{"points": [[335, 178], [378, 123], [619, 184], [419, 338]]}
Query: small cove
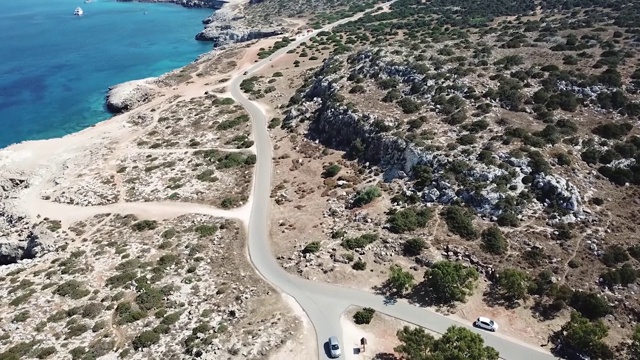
{"points": [[55, 68]]}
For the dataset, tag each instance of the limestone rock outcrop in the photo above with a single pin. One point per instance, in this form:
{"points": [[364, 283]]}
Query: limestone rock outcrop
{"points": [[208, 4], [339, 126], [14, 249], [226, 26], [129, 95]]}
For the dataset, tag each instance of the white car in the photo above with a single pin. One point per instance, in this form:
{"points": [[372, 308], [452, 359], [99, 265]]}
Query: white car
{"points": [[486, 323], [334, 347]]}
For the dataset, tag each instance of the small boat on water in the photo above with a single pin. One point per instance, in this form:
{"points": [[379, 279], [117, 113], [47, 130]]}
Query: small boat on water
{"points": [[78, 12]]}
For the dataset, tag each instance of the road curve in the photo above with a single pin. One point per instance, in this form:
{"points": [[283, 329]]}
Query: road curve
{"points": [[324, 303]]}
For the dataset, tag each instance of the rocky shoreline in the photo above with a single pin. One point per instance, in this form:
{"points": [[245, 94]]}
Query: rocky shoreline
{"points": [[203, 4]]}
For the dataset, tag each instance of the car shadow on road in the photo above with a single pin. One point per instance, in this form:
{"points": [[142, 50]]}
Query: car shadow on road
{"points": [[327, 350]]}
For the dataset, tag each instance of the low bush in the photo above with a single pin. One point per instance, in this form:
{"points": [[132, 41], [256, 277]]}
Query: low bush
{"points": [[312, 247], [366, 196], [73, 289], [408, 105], [413, 247], [145, 339], [144, 225], [360, 241], [331, 171], [205, 230], [590, 305], [409, 219], [493, 241], [364, 316], [614, 254], [460, 221], [359, 265]]}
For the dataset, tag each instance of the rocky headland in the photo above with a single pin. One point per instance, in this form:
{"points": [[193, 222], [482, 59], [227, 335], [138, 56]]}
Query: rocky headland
{"points": [[208, 4], [229, 26], [129, 95]]}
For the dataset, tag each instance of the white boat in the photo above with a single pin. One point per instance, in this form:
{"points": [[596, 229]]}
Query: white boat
{"points": [[78, 12]]}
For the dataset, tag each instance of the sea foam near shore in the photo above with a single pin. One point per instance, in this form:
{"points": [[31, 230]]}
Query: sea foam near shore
{"points": [[56, 68]]}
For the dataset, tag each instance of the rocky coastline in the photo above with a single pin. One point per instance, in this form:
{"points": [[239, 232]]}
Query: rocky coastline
{"points": [[129, 95], [203, 4], [228, 26]]}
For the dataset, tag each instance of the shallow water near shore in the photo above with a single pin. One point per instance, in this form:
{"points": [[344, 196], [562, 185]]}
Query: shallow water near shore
{"points": [[55, 68]]}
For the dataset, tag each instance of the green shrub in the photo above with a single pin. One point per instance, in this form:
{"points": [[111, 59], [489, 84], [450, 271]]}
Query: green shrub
{"points": [[92, 310], [167, 260], [207, 176], [574, 263], [459, 221], [21, 317], [145, 339], [612, 130], [331, 171], [359, 265], [508, 218], [450, 281], [466, 139], [119, 280], [590, 305], [144, 225], [364, 316], [360, 241], [205, 230], [357, 89], [223, 101], [413, 247], [127, 314], [409, 219], [392, 95], [622, 276], [232, 160], [312, 247], [20, 299], [44, 353], [388, 83], [229, 202], [171, 319], [493, 241], [72, 289], [614, 254], [230, 124], [366, 196], [275, 122], [169, 233], [408, 105], [76, 330], [150, 298]]}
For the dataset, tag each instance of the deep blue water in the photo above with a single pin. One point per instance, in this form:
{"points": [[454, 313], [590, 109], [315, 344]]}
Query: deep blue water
{"points": [[55, 68]]}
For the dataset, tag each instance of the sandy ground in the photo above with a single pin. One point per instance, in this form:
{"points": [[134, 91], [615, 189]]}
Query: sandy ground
{"points": [[301, 345], [380, 335]]}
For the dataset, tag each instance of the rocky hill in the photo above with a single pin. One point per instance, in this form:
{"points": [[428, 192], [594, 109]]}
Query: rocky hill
{"points": [[516, 123]]}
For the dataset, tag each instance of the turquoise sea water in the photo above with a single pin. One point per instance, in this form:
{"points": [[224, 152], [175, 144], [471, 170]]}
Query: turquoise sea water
{"points": [[55, 68]]}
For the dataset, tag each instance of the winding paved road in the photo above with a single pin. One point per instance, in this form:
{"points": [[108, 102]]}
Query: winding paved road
{"points": [[324, 303]]}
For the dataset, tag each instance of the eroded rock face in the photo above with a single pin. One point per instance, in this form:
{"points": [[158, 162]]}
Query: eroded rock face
{"points": [[19, 239], [226, 26], [13, 249], [209, 4], [339, 126], [129, 95], [227, 34]]}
